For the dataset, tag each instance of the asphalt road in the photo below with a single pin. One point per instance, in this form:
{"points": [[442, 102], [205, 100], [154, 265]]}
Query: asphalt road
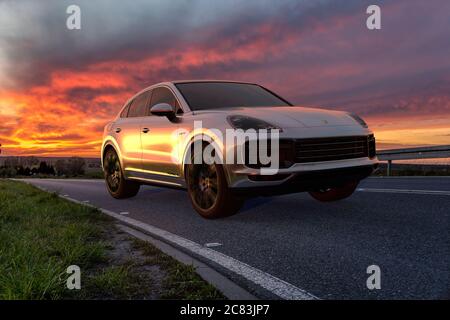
{"points": [[322, 248]]}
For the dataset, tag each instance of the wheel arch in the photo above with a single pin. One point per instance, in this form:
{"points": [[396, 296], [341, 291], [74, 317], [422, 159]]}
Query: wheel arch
{"points": [[218, 146], [110, 144]]}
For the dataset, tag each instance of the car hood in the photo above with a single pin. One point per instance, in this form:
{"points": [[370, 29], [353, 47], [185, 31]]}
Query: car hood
{"points": [[290, 116]]}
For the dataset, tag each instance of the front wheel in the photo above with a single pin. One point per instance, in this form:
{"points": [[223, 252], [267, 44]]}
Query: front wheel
{"points": [[117, 185], [209, 192], [336, 193]]}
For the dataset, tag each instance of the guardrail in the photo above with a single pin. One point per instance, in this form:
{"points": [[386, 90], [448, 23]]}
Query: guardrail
{"points": [[433, 152]]}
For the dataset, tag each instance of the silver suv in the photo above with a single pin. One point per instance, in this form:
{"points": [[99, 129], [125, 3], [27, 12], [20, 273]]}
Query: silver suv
{"points": [[152, 139]]}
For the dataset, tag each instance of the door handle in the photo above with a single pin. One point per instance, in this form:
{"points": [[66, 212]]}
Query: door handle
{"points": [[145, 130], [118, 130]]}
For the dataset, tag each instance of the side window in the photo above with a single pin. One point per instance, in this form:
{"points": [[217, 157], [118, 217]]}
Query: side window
{"points": [[164, 95], [139, 104]]}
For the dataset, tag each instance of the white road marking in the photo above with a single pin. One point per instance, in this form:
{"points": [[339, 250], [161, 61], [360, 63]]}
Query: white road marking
{"points": [[212, 244], [444, 193], [124, 213], [65, 195], [271, 283], [86, 201], [277, 286]]}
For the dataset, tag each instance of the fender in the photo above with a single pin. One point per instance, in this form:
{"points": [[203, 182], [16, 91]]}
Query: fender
{"points": [[110, 141], [200, 135]]}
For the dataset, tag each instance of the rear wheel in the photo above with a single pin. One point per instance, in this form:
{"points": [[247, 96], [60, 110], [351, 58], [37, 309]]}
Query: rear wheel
{"points": [[336, 193], [116, 183], [209, 192]]}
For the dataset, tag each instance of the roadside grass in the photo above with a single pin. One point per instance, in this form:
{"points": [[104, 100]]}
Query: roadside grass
{"points": [[181, 282], [89, 174], [42, 234]]}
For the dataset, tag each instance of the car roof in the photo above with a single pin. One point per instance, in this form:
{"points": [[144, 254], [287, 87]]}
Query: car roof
{"points": [[209, 80], [174, 82]]}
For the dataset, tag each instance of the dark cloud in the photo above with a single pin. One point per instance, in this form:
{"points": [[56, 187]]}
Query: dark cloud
{"points": [[87, 94], [35, 40], [47, 127]]}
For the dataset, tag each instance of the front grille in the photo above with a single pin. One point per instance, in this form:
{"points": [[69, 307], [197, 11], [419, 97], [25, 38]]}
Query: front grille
{"points": [[334, 148], [318, 149]]}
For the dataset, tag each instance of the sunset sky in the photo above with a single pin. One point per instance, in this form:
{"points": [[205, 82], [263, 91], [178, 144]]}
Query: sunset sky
{"points": [[59, 87]]}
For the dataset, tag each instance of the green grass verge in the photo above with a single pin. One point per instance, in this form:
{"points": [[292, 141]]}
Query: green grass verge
{"points": [[181, 282], [42, 234]]}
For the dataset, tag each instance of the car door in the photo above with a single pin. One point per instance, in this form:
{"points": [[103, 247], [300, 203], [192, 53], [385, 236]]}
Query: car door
{"points": [[159, 147], [127, 130]]}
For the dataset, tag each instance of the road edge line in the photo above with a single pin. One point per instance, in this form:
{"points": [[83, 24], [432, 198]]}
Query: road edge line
{"points": [[276, 286], [405, 191]]}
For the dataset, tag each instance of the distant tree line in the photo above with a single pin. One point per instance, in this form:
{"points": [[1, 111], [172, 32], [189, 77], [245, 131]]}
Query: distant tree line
{"points": [[30, 166], [74, 166]]}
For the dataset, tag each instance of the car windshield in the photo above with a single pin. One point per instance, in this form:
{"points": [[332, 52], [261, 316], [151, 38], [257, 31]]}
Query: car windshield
{"points": [[217, 95]]}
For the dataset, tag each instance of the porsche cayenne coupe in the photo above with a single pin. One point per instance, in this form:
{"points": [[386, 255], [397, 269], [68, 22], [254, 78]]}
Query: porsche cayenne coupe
{"points": [[323, 152]]}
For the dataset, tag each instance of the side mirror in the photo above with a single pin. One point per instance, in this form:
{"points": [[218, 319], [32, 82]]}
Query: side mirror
{"points": [[163, 110]]}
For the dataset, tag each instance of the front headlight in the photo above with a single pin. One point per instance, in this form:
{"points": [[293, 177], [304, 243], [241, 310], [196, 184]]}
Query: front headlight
{"points": [[358, 119], [245, 123]]}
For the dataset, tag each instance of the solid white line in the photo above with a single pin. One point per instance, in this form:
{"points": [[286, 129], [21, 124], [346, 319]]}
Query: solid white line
{"points": [[408, 177], [271, 283], [212, 244], [60, 180], [444, 193]]}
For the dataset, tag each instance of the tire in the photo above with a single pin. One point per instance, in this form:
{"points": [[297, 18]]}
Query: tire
{"points": [[117, 185], [335, 194], [209, 192]]}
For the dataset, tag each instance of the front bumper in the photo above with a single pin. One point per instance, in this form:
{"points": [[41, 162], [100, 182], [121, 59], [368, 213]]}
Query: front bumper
{"points": [[329, 154], [243, 177], [304, 180]]}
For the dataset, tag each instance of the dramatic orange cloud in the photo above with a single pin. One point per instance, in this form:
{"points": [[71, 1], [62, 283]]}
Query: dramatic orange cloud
{"points": [[66, 116]]}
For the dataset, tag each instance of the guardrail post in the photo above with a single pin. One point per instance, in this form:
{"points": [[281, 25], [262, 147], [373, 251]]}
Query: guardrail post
{"points": [[389, 167]]}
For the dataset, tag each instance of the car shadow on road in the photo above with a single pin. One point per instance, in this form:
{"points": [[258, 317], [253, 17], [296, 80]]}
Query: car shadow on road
{"points": [[254, 203], [294, 208], [298, 208]]}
